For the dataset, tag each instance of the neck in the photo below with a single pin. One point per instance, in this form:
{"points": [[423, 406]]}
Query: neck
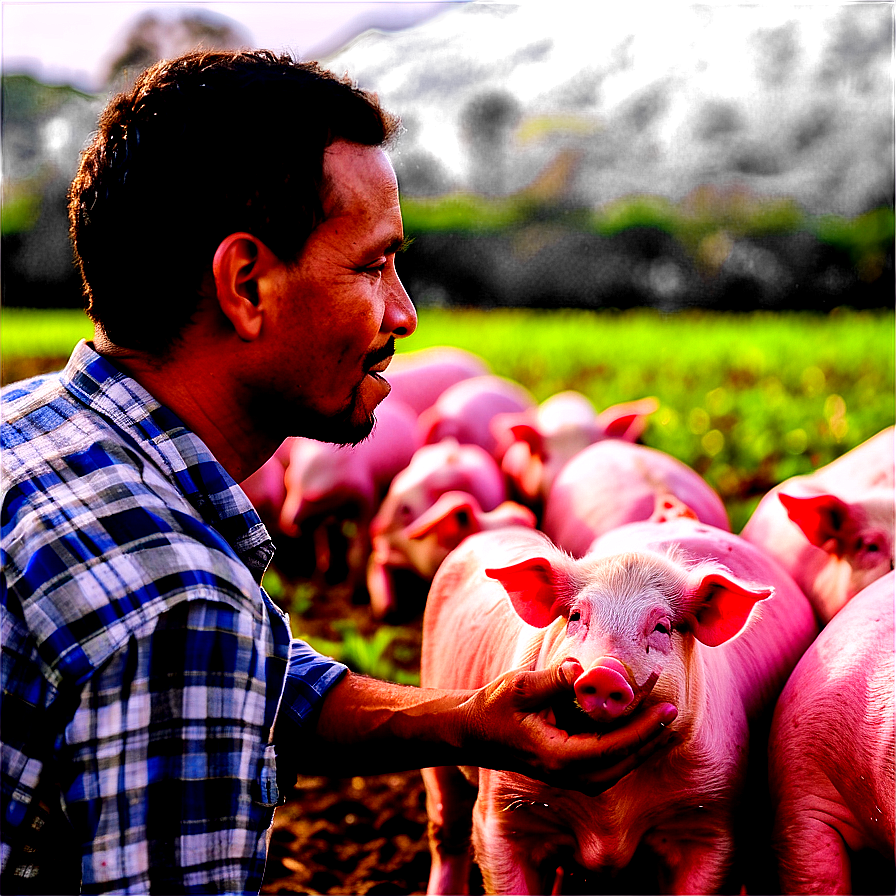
{"points": [[197, 386]]}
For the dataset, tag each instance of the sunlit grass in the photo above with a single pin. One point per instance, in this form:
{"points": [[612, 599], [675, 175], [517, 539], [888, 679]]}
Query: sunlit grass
{"points": [[746, 399]]}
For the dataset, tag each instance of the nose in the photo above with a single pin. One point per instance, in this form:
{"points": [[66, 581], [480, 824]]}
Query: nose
{"points": [[400, 316], [603, 690]]}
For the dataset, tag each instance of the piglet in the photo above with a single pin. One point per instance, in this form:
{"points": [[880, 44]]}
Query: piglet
{"points": [[465, 411], [418, 378], [665, 614], [831, 755], [833, 529], [395, 530], [340, 486], [611, 483], [534, 445]]}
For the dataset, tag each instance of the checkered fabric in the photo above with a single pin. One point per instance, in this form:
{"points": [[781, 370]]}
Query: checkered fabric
{"points": [[142, 663]]}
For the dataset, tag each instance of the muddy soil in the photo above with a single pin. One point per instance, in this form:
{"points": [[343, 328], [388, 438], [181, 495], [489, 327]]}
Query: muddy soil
{"points": [[357, 834]]}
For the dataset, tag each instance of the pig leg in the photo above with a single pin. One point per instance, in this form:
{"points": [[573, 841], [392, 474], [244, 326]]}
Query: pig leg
{"points": [[812, 853], [508, 865], [449, 804], [692, 862]]}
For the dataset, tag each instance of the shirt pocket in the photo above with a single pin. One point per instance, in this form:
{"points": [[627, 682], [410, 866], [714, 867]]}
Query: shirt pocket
{"points": [[268, 791]]}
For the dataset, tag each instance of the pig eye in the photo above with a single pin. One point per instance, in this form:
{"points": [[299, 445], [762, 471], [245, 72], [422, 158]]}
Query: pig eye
{"points": [[662, 628], [575, 616]]}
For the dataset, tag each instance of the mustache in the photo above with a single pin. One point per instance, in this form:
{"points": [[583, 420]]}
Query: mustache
{"points": [[381, 354]]}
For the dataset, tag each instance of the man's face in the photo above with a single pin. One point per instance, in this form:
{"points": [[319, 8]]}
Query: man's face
{"points": [[340, 306]]}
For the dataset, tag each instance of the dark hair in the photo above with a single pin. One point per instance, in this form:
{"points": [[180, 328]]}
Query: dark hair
{"points": [[202, 146]]}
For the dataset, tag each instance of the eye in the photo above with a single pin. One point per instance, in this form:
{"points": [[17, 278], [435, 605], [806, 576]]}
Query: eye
{"points": [[662, 628], [376, 268], [575, 616]]}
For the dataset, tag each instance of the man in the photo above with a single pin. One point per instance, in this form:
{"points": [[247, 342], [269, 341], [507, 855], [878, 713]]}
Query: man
{"points": [[236, 221]]}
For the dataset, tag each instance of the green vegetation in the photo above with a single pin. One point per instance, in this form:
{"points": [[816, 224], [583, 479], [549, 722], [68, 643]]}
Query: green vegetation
{"points": [[747, 400], [705, 214], [29, 333]]}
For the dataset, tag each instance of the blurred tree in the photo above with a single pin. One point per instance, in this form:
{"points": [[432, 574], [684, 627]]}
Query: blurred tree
{"points": [[486, 123], [159, 35]]}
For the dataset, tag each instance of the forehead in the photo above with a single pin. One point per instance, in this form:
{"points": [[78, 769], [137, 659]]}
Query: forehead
{"points": [[358, 180]]}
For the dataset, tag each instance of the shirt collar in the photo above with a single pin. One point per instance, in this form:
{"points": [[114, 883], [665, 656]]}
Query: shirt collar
{"points": [[177, 451]]}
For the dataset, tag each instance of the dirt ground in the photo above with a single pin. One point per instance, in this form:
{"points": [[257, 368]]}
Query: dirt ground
{"points": [[351, 835]]}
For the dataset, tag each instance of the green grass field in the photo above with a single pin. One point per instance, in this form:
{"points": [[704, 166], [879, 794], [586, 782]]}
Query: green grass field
{"points": [[747, 400]]}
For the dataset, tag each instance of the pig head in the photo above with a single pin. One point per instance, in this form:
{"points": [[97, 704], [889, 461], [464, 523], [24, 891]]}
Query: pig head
{"points": [[833, 529], [534, 445], [465, 411], [406, 533], [613, 482], [645, 626]]}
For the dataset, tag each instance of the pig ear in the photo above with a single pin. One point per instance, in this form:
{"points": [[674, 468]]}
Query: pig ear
{"points": [[523, 431], [720, 606], [530, 587], [453, 517], [822, 519], [628, 420]]}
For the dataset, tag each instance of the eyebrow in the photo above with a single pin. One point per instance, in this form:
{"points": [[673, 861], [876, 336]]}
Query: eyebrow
{"points": [[399, 244]]}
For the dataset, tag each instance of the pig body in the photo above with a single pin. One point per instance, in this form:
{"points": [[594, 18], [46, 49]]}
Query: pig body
{"points": [[465, 411], [613, 482], [831, 754], [433, 471], [266, 487], [419, 378], [640, 621], [327, 485], [535, 445], [833, 529]]}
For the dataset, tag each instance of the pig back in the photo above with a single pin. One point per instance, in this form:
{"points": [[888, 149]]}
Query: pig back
{"points": [[760, 658], [471, 633], [613, 483], [835, 726]]}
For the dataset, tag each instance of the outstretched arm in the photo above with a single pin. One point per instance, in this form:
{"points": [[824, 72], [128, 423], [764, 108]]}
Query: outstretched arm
{"points": [[367, 726]]}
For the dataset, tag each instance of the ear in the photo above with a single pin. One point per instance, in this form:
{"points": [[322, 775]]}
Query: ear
{"points": [[240, 260], [531, 589], [627, 420], [822, 518], [719, 605], [453, 517]]}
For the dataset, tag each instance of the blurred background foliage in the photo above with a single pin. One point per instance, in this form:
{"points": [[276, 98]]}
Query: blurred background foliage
{"points": [[543, 167]]}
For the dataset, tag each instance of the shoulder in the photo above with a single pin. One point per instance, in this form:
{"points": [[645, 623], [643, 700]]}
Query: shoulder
{"points": [[96, 543]]}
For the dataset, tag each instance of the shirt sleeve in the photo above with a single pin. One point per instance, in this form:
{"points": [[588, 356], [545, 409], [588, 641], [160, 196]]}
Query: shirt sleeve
{"points": [[165, 757], [309, 675]]}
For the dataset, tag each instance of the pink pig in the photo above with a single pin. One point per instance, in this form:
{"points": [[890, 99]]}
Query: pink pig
{"points": [[833, 529], [266, 488], [446, 466], [613, 482], [419, 378], [831, 755], [423, 544], [326, 482], [648, 622], [535, 445], [465, 411]]}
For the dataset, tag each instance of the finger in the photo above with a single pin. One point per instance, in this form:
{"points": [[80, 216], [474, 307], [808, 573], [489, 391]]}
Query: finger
{"points": [[603, 776], [642, 728], [536, 689]]}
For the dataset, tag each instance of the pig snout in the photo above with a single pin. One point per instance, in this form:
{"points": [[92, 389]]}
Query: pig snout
{"points": [[603, 690]]}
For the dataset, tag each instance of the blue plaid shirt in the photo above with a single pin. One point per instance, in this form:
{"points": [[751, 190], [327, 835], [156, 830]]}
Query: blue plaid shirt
{"points": [[143, 665]]}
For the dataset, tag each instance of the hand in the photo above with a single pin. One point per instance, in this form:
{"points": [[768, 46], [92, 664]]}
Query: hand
{"points": [[511, 728]]}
